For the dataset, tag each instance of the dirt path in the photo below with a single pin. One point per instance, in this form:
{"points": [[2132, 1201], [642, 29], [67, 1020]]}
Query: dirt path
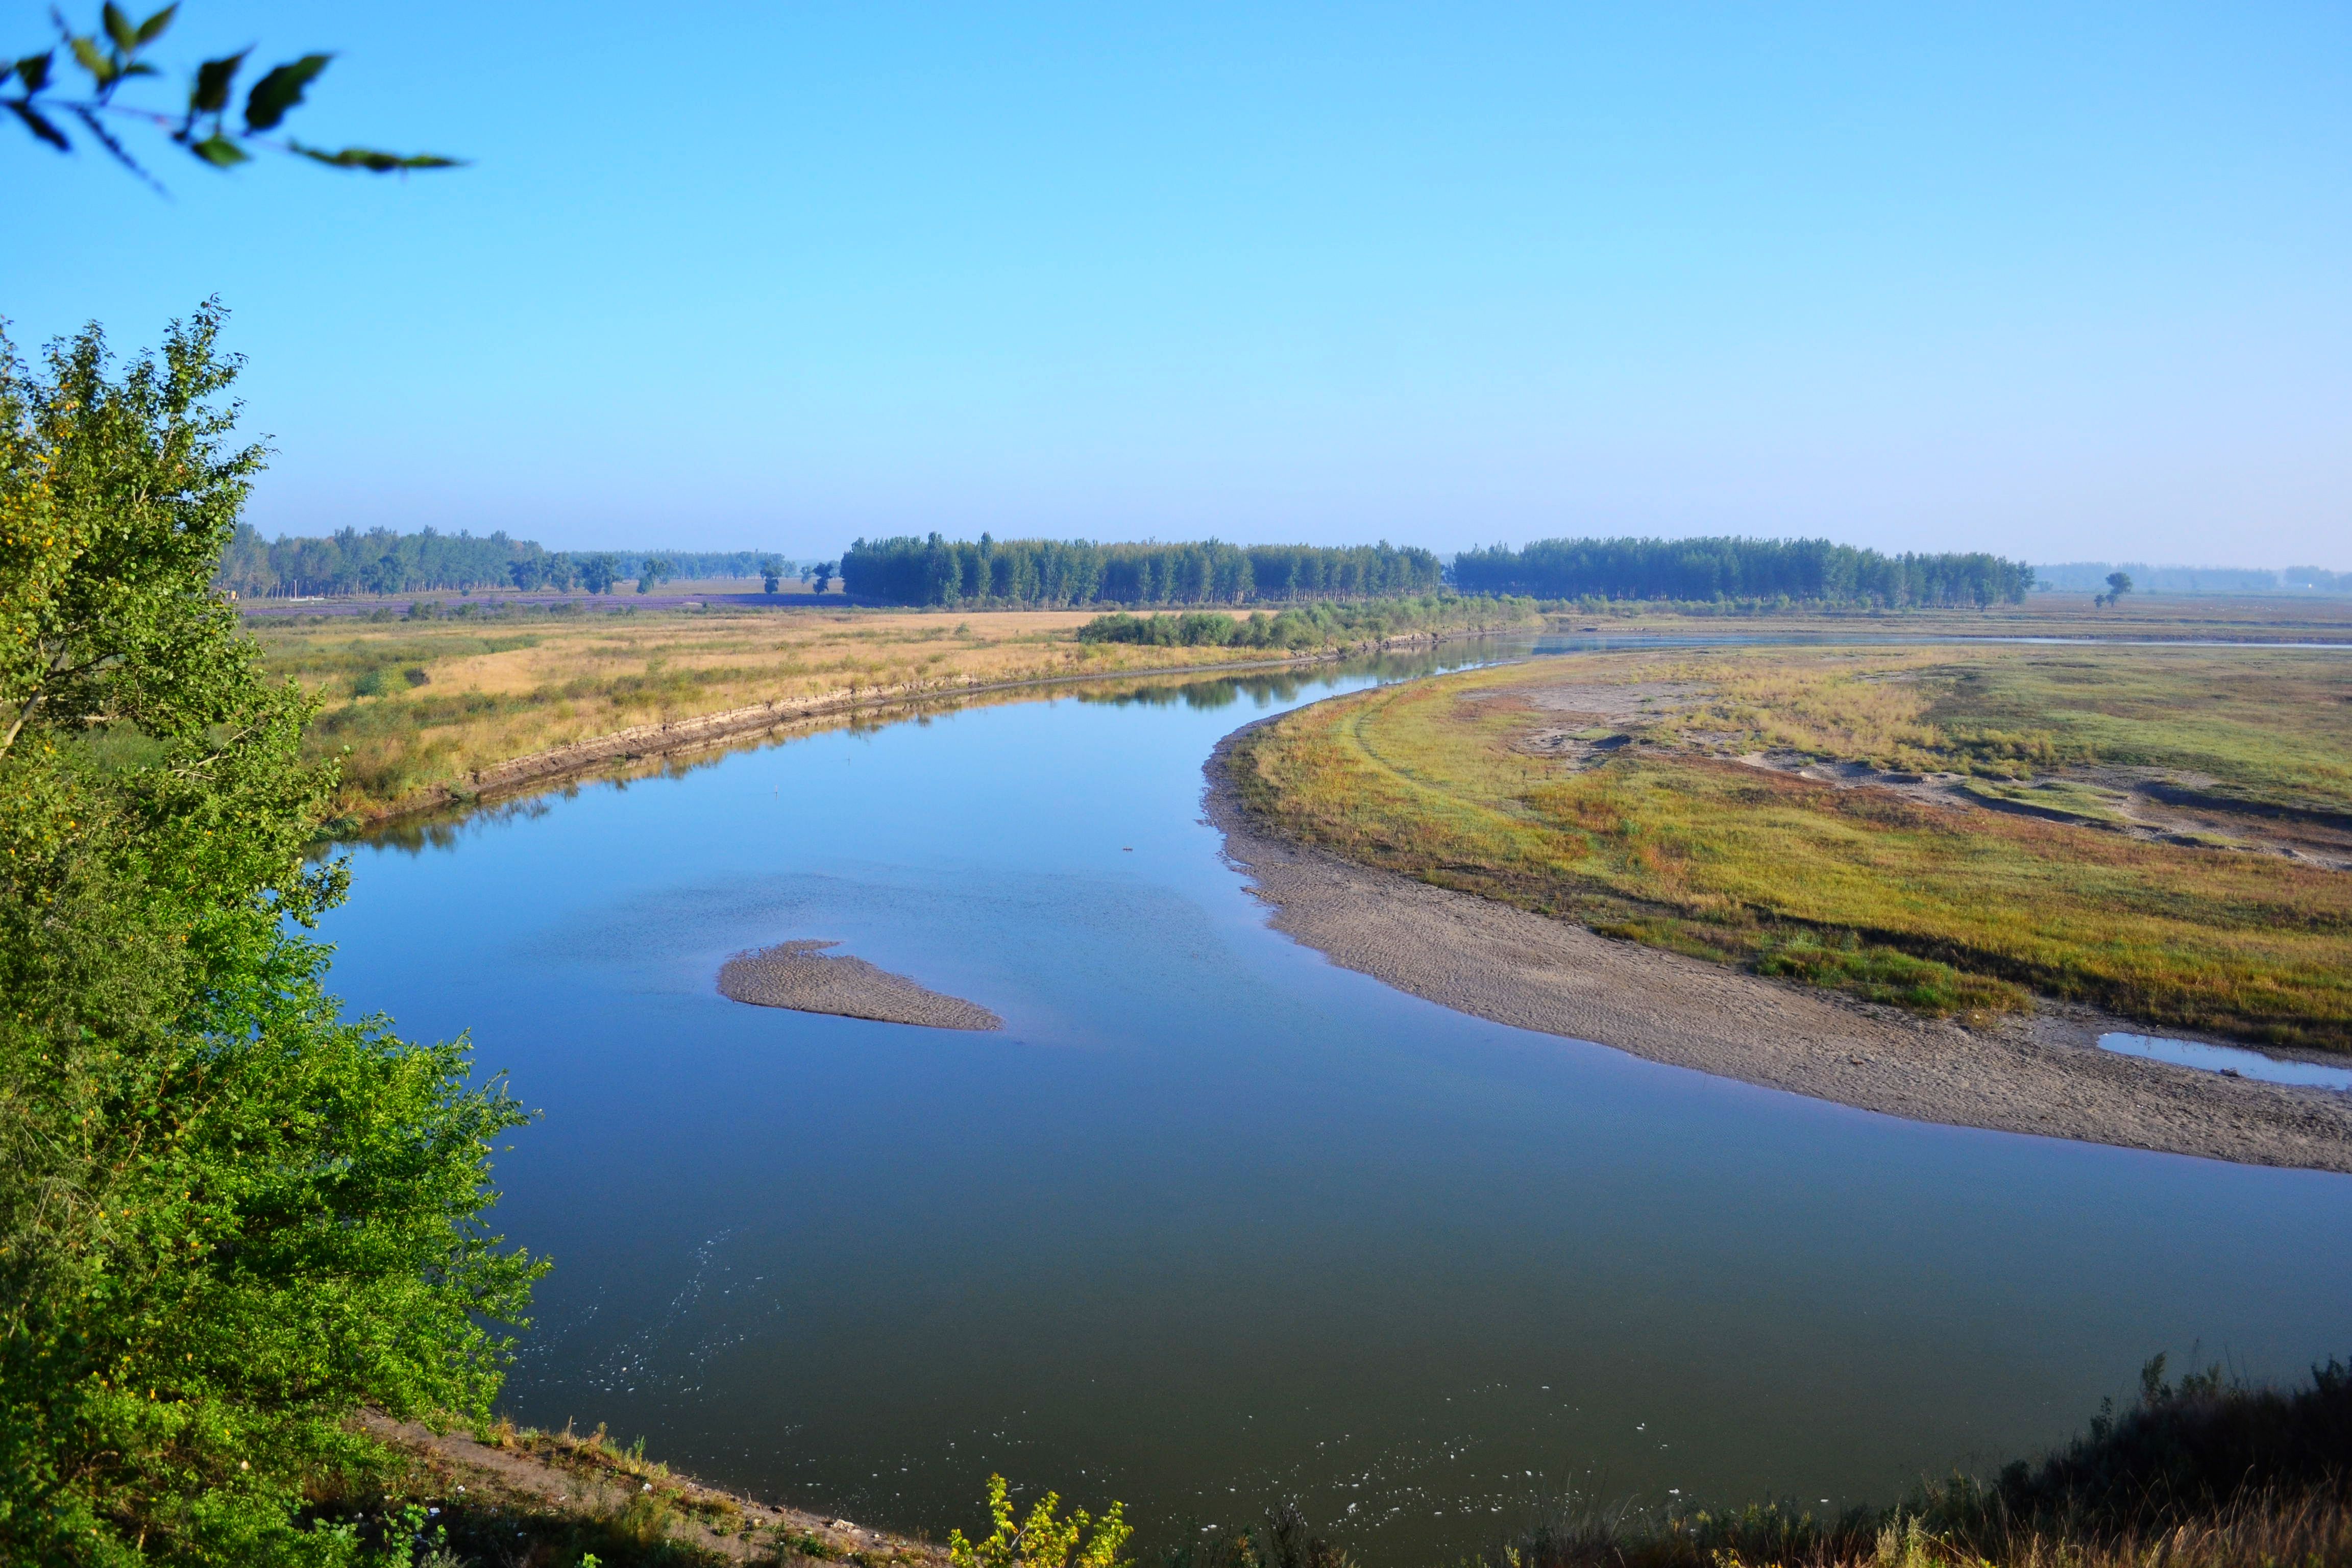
{"points": [[2042, 1075]]}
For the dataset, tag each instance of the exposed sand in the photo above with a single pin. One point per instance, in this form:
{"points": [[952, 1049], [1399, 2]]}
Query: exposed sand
{"points": [[802, 976], [2044, 1074]]}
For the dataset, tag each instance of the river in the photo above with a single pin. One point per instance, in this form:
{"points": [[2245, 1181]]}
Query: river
{"points": [[1212, 1222]]}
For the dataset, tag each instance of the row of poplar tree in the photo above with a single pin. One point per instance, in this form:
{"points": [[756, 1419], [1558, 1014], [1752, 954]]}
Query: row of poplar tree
{"points": [[1047, 571]]}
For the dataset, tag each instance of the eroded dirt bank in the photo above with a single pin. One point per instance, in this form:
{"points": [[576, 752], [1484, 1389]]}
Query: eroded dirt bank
{"points": [[530, 1476], [2043, 1073]]}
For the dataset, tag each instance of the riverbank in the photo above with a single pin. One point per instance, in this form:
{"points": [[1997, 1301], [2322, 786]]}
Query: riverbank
{"points": [[2205, 1471], [446, 712], [2038, 1073], [525, 1496]]}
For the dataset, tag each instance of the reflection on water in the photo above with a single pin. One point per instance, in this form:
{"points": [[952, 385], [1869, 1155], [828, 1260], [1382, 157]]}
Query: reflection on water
{"points": [[2227, 1059], [446, 829], [1210, 1221]]}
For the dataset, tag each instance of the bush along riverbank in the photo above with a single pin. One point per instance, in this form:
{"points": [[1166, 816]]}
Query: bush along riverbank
{"points": [[1313, 627]]}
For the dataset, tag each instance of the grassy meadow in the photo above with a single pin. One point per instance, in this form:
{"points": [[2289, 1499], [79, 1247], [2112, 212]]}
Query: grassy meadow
{"points": [[2162, 617], [1687, 819], [411, 703]]}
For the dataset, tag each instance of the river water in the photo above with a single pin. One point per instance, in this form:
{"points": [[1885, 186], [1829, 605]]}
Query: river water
{"points": [[1212, 1222]]}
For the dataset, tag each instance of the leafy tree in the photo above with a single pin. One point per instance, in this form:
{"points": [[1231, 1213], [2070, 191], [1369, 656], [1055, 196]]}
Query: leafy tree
{"points": [[112, 57], [652, 575], [772, 574], [819, 576], [596, 573], [227, 1216], [2118, 584]]}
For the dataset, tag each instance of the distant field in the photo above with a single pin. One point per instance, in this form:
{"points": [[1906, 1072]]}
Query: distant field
{"points": [[2164, 617], [413, 704], [2165, 832]]}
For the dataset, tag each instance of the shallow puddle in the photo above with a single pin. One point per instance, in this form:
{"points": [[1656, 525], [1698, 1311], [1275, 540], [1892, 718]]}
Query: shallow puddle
{"points": [[2228, 1061]]}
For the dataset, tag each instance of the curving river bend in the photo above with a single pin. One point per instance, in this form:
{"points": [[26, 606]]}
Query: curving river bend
{"points": [[1210, 1221]]}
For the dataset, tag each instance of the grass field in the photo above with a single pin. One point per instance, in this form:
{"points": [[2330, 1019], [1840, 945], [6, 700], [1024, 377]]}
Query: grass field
{"points": [[2155, 616], [1856, 817], [412, 703]]}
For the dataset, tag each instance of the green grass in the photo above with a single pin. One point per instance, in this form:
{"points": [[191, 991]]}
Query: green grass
{"points": [[1670, 842]]}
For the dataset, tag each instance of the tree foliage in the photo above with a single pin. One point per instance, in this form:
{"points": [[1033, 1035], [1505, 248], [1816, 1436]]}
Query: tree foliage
{"points": [[227, 1215], [1806, 570], [1312, 626], [1042, 1541], [935, 571], [113, 56], [384, 561]]}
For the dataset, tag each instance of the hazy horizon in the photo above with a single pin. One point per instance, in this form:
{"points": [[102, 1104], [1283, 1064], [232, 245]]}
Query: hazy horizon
{"points": [[2062, 286]]}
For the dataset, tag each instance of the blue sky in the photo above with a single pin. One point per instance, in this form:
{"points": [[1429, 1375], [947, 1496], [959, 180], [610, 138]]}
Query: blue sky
{"points": [[2061, 281]]}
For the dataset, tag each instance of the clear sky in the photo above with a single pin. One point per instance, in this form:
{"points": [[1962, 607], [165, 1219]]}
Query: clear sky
{"points": [[2062, 281]]}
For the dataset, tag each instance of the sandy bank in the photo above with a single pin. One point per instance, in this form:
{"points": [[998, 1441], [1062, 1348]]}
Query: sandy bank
{"points": [[538, 1474], [802, 976], [2043, 1075]]}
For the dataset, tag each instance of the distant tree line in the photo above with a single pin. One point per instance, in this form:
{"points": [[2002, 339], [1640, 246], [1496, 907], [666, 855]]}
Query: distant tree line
{"points": [[2091, 577], [1807, 569], [383, 561], [1038, 571]]}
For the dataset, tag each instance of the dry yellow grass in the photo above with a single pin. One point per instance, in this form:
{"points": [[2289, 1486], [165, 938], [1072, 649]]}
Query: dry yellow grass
{"points": [[411, 705]]}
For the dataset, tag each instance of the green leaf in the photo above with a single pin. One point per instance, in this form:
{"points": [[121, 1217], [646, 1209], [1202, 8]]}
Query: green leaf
{"points": [[152, 27], [368, 158], [86, 50], [220, 151], [280, 90], [214, 79], [117, 27], [39, 126], [33, 70]]}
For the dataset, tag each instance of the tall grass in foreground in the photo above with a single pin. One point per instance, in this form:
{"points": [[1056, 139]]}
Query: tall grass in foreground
{"points": [[2202, 1474]]}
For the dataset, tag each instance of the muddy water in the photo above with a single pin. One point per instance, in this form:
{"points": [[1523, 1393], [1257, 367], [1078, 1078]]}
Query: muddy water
{"points": [[1209, 1221]]}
